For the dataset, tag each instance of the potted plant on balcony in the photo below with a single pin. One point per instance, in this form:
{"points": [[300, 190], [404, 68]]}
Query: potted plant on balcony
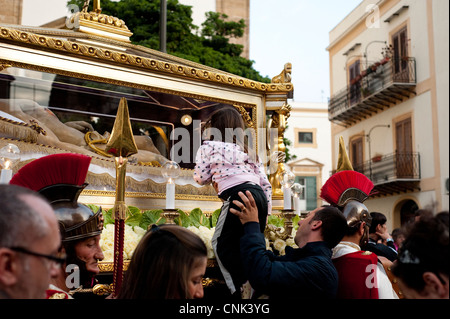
{"points": [[377, 158]]}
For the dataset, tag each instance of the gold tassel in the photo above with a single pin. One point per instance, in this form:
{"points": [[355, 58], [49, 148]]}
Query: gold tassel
{"points": [[120, 210]]}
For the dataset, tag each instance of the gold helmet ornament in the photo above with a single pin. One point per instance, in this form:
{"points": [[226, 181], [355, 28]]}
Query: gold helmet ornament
{"points": [[347, 190]]}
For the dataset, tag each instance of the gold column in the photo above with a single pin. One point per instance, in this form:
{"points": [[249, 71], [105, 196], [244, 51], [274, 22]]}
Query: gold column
{"points": [[279, 121]]}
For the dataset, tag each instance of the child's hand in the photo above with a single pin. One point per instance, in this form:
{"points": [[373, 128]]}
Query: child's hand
{"points": [[248, 211]]}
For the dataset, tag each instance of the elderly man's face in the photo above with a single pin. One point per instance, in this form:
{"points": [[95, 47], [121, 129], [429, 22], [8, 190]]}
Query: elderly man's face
{"points": [[90, 252], [37, 271]]}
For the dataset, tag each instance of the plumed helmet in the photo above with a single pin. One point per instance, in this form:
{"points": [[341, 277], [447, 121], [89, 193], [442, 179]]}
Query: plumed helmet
{"points": [[76, 220], [347, 190], [60, 178], [356, 212]]}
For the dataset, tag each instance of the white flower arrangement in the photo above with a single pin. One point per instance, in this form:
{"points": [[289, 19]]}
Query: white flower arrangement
{"points": [[275, 238], [134, 234], [278, 240], [206, 235], [132, 237]]}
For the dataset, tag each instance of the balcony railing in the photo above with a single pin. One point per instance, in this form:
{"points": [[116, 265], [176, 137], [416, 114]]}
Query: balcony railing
{"points": [[380, 86], [392, 173]]}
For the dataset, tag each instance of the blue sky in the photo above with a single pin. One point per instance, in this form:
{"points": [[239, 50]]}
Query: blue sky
{"points": [[296, 31]]}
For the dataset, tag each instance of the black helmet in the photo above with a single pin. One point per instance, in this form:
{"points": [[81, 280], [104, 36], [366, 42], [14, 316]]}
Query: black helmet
{"points": [[76, 220]]}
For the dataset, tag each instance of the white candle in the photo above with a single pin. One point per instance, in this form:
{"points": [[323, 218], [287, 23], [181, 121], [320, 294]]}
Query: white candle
{"points": [[170, 194], [5, 176], [297, 205], [287, 198]]}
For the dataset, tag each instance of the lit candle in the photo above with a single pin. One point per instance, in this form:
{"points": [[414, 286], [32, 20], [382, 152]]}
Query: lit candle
{"points": [[287, 198], [170, 194], [297, 190], [170, 171], [9, 156], [5, 176]]}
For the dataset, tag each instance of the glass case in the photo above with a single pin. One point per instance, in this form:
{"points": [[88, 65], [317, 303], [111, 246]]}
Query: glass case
{"points": [[63, 88]]}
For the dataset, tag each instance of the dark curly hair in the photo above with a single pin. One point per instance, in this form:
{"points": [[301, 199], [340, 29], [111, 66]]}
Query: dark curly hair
{"points": [[425, 249]]}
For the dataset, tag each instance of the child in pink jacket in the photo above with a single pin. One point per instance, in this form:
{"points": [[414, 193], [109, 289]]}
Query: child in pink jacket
{"points": [[227, 163]]}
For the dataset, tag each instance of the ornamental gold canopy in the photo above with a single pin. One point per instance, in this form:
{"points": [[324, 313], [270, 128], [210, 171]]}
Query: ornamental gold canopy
{"points": [[94, 22]]}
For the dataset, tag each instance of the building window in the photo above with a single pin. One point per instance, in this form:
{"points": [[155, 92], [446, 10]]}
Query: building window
{"points": [[357, 154], [305, 138], [309, 192], [354, 71]]}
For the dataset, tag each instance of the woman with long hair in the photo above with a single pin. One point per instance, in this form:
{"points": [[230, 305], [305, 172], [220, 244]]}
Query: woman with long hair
{"points": [[168, 263]]}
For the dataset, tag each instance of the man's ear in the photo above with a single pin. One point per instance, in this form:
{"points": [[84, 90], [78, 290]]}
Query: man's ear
{"points": [[434, 288], [8, 267], [362, 228], [316, 224], [378, 228]]}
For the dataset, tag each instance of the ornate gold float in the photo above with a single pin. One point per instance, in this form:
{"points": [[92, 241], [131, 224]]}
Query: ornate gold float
{"points": [[51, 80]]}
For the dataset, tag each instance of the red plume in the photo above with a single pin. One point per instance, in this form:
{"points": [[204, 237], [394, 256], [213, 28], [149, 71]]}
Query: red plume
{"points": [[338, 183], [65, 168]]}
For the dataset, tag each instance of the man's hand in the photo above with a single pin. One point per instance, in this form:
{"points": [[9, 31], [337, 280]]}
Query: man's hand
{"points": [[383, 233], [248, 211]]}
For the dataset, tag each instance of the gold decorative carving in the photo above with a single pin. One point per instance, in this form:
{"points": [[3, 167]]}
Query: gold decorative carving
{"points": [[105, 266], [4, 66], [101, 289], [245, 116], [138, 61], [285, 76], [279, 121]]}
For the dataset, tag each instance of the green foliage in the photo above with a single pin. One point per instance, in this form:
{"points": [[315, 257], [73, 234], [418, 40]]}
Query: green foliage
{"points": [[211, 47], [278, 221], [275, 220], [108, 218], [215, 217], [150, 217], [143, 219]]}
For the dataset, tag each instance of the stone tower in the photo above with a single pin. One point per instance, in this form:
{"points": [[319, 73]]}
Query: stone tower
{"points": [[237, 10], [11, 12]]}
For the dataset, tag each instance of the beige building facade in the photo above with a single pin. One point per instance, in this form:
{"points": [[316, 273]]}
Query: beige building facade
{"points": [[389, 79], [11, 11], [309, 132]]}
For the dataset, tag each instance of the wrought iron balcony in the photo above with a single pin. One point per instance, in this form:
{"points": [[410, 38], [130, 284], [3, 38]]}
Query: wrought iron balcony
{"points": [[394, 173], [382, 85]]}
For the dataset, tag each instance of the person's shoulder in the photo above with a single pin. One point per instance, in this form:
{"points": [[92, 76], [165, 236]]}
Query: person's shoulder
{"points": [[359, 255]]}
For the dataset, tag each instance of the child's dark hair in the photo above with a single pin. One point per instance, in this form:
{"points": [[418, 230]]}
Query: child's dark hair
{"points": [[229, 123], [377, 219]]}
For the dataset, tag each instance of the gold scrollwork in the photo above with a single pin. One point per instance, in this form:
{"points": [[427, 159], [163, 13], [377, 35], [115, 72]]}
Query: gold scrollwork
{"points": [[147, 63], [4, 66]]}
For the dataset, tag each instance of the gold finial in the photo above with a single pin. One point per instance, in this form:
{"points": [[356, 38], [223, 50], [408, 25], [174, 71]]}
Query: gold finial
{"points": [[285, 76], [121, 142], [97, 7], [94, 22], [344, 163]]}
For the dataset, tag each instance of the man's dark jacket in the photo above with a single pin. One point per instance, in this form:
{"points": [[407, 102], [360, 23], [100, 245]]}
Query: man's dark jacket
{"points": [[306, 272], [387, 251]]}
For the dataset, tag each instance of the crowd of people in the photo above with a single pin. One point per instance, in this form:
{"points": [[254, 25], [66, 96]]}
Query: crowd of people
{"points": [[170, 261], [344, 251]]}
